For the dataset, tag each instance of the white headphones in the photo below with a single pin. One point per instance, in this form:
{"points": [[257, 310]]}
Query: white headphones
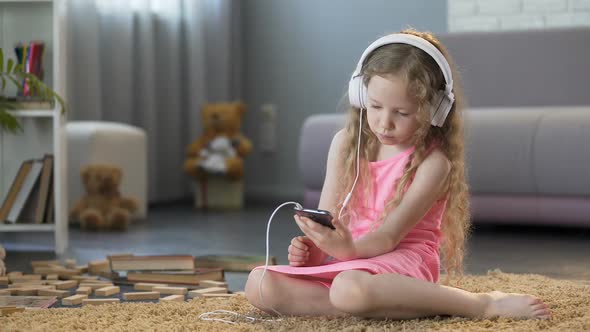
{"points": [[443, 100]]}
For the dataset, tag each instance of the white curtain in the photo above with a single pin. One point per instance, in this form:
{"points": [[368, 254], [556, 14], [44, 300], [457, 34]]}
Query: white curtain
{"points": [[152, 64]]}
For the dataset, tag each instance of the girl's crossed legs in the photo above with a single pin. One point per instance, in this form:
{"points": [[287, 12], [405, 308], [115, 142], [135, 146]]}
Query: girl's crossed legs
{"points": [[360, 293]]}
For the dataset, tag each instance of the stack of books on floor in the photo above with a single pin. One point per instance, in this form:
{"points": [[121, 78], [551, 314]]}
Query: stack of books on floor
{"points": [[166, 269], [30, 198]]}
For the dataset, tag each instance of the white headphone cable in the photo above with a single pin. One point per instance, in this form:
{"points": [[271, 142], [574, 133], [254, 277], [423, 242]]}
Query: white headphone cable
{"points": [[358, 154], [205, 316]]}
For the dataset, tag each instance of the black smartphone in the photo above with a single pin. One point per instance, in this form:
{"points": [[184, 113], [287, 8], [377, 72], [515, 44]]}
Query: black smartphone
{"points": [[322, 217]]}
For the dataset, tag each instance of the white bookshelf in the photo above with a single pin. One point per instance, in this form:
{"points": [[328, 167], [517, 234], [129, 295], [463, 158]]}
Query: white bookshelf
{"points": [[44, 129]]}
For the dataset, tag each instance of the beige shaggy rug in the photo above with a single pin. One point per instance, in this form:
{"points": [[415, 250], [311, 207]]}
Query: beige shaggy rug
{"points": [[568, 300]]}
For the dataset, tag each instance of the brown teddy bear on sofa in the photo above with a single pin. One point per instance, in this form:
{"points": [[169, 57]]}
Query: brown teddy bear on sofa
{"points": [[103, 207], [221, 148]]}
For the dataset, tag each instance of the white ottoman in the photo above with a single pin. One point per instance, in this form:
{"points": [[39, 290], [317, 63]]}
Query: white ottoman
{"points": [[95, 142]]}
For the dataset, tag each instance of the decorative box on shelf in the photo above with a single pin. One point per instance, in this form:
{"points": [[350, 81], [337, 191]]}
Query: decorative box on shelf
{"points": [[219, 192]]}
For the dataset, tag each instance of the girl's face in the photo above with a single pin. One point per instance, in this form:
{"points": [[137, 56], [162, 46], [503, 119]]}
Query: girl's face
{"points": [[391, 113]]}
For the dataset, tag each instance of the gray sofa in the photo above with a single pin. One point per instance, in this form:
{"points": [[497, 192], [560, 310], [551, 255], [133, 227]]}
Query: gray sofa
{"points": [[527, 127]]}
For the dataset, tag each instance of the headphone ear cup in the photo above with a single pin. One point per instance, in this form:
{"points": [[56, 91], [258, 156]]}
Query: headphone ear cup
{"points": [[357, 91], [441, 106]]}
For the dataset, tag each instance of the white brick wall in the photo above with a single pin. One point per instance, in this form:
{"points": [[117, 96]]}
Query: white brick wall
{"points": [[490, 15]]}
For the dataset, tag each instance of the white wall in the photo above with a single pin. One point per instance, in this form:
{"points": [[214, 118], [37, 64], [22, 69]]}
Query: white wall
{"points": [[490, 15]]}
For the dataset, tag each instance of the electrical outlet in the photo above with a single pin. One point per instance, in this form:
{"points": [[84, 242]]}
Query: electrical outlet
{"points": [[267, 139]]}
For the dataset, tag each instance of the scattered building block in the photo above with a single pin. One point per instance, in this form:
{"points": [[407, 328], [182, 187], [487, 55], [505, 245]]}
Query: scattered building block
{"points": [[174, 298], [99, 301], [14, 274], [35, 264], [219, 295], [84, 290], [141, 296], [84, 278], [210, 290], [24, 277], [94, 267], [59, 270], [144, 286], [70, 263], [74, 299], [170, 290], [106, 291], [52, 277], [24, 291], [4, 280], [5, 311], [5, 292], [96, 285], [212, 283], [60, 294], [28, 283], [67, 284], [81, 268]]}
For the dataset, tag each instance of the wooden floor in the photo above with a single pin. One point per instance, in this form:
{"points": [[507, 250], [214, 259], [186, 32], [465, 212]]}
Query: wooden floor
{"points": [[179, 229]]}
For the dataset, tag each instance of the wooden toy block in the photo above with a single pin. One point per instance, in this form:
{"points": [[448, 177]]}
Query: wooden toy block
{"points": [[70, 263], [219, 295], [67, 284], [35, 264], [170, 290], [84, 278], [212, 283], [24, 277], [27, 284], [94, 267], [106, 291], [96, 285], [74, 299], [210, 290], [52, 277], [99, 301], [24, 291], [174, 298], [141, 296], [81, 268], [60, 271], [84, 290], [60, 294], [5, 292], [4, 280], [14, 274], [145, 286], [5, 311]]}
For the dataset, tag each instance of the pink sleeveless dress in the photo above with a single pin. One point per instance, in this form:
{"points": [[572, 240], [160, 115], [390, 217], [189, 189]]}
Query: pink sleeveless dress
{"points": [[416, 256]]}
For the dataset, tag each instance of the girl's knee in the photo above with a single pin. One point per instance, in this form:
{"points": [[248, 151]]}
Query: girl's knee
{"points": [[350, 292], [252, 288]]}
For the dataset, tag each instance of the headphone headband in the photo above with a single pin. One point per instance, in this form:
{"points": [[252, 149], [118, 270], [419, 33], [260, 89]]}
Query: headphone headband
{"points": [[357, 90]]}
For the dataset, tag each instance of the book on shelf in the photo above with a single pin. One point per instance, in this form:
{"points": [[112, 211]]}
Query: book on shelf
{"points": [[21, 103], [12, 193], [153, 262], [25, 191], [37, 201], [177, 277], [237, 263]]}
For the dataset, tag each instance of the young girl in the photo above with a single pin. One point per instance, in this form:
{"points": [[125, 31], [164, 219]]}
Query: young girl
{"points": [[382, 259]]}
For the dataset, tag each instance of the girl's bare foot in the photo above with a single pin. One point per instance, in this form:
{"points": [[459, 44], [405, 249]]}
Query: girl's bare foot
{"points": [[513, 305]]}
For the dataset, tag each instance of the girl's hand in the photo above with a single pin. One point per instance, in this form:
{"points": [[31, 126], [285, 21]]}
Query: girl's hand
{"points": [[303, 252], [337, 243]]}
